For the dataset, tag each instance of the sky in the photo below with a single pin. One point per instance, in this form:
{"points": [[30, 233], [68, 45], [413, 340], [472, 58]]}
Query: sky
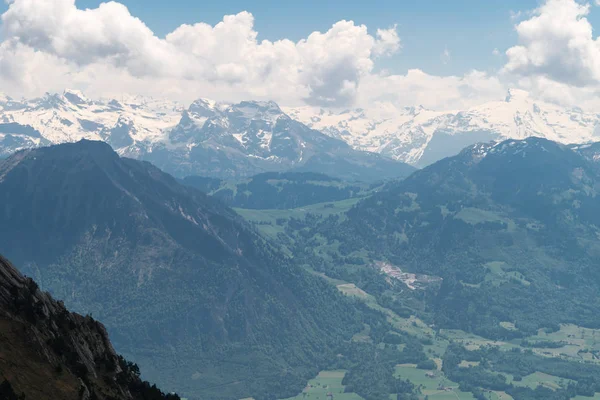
{"points": [[469, 29], [380, 53]]}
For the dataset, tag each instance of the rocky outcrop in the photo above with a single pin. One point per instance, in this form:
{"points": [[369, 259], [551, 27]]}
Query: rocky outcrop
{"points": [[46, 352]]}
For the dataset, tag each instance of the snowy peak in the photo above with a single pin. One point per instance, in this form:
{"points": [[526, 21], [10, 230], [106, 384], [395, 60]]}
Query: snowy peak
{"points": [[516, 95], [203, 108], [478, 151], [419, 136], [4, 99], [260, 137], [49, 101], [76, 97], [590, 151], [207, 138], [121, 135], [115, 104], [249, 123], [248, 111], [265, 133], [524, 154]]}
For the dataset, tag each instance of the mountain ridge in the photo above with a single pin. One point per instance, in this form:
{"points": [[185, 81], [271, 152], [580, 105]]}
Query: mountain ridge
{"points": [[419, 136], [207, 138], [109, 235], [509, 227]]}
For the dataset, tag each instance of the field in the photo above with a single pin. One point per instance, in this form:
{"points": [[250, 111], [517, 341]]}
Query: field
{"points": [[323, 209], [472, 341], [476, 216], [435, 386], [498, 273], [327, 382], [580, 344], [539, 379]]}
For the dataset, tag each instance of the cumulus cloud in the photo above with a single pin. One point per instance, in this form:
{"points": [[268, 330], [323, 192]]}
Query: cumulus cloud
{"points": [[49, 45], [388, 41], [322, 69], [417, 87], [557, 43], [108, 32]]}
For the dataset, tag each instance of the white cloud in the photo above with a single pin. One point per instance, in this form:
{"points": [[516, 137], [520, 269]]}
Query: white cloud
{"points": [[51, 44], [388, 41], [108, 32], [324, 68], [557, 58], [435, 92], [557, 43]]}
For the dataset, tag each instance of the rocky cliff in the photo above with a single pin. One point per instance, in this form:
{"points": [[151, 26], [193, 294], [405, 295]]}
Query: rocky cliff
{"points": [[46, 352]]}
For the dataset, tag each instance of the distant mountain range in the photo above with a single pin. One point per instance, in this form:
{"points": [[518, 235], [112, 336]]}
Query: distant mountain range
{"points": [[419, 136], [240, 140], [207, 138]]}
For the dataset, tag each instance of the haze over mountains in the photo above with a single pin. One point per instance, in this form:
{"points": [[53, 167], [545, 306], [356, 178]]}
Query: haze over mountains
{"points": [[420, 136], [497, 240], [207, 138], [498, 243], [280, 190], [308, 202], [236, 140]]}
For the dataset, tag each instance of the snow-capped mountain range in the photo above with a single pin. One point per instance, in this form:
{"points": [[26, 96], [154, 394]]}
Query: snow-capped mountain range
{"points": [[419, 136], [234, 140], [206, 138], [70, 117]]}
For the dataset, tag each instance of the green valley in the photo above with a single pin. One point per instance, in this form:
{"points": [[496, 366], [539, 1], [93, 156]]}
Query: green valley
{"points": [[473, 260]]}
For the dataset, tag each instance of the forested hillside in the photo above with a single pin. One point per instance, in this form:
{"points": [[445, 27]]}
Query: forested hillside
{"points": [[496, 246], [184, 286]]}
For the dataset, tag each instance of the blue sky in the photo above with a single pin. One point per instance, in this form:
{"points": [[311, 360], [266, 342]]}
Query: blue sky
{"points": [[469, 29], [454, 53]]}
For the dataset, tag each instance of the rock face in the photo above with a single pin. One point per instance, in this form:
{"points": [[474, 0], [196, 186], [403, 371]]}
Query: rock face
{"points": [[46, 352]]}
